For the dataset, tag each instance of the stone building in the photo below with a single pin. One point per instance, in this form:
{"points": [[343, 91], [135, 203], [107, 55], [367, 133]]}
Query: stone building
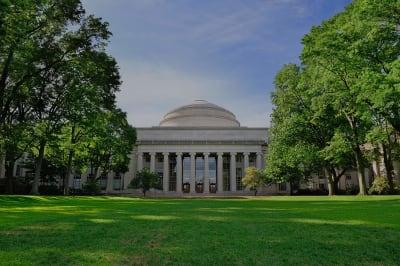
{"points": [[200, 149]]}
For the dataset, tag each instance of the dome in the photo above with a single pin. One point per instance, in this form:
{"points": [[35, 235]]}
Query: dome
{"points": [[200, 113]]}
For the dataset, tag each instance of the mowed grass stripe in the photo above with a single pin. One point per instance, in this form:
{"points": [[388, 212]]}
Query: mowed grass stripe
{"points": [[246, 231]]}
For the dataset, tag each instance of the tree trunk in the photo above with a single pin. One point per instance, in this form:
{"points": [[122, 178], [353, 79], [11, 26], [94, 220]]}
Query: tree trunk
{"points": [[68, 172], [255, 192], [335, 184], [331, 184], [2, 164], [69, 164], [291, 188], [38, 168], [358, 155], [360, 171], [387, 160], [10, 176], [96, 173]]}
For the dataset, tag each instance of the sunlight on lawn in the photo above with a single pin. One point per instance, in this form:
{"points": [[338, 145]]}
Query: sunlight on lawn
{"points": [[101, 221], [155, 217], [265, 230]]}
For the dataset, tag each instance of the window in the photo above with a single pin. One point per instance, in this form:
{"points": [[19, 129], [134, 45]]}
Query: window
{"points": [[186, 167], [117, 181], [252, 160], [172, 173], [76, 182], [103, 181], [212, 167], [199, 169], [239, 175], [322, 186], [226, 172], [282, 186], [348, 177], [18, 171], [321, 177]]}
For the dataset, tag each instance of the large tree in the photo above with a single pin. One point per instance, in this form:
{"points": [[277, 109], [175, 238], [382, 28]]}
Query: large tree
{"points": [[76, 82], [302, 132], [57, 77]]}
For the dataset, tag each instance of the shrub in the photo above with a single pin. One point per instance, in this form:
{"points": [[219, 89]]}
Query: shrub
{"points": [[313, 192], [253, 179], [145, 180], [91, 187], [50, 190], [380, 186]]}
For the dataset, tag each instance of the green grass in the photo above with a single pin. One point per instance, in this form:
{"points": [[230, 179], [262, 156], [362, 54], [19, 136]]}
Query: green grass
{"points": [[248, 231]]}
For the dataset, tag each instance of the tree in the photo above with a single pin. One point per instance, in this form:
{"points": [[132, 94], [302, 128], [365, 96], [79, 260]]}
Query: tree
{"points": [[23, 26], [253, 179], [61, 89], [56, 77], [110, 142], [145, 179], [301, 130]]}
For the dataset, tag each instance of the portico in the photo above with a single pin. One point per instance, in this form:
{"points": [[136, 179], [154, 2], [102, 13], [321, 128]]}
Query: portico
{"points": [[199, 169], [199, 149]]}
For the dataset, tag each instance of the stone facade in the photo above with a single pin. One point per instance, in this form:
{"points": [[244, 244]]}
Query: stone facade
{"points": [[199, 149]]}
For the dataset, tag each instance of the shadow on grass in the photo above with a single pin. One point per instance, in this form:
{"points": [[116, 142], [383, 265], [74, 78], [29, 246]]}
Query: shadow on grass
{"points": [[96, 230]]}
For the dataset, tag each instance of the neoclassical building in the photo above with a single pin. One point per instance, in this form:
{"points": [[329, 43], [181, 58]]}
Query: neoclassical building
{"points": [[200, 149]]}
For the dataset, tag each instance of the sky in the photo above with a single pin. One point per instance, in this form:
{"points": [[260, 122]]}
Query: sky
{"points": [[172, 52]]}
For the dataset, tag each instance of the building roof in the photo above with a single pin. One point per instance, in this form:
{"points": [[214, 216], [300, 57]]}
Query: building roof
{"points": [[200, 113]]}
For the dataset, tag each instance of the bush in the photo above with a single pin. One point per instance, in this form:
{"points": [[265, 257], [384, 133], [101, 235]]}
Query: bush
{"points": [[350, 190], [313, 192], [146, 179], [50, 190], [91, 187], [380, 186]]}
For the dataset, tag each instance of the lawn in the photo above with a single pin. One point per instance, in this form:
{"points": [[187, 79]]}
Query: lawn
{"points": [[248, 231]]}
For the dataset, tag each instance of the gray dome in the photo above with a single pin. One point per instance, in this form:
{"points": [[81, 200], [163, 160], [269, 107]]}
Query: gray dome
{"points": [[200, 113]]}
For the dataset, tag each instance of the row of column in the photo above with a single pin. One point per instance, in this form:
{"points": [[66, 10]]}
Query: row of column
{"points": [[193, 169]]}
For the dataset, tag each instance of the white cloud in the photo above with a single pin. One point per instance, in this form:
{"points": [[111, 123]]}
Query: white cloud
{"points": [[150, 91]]}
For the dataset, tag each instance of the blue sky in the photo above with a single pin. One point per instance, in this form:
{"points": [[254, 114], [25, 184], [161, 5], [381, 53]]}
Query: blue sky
{"points": [[171, 52]]}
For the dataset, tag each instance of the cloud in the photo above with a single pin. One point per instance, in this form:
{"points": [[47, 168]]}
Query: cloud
{"points": [[149, 91], [226, 51]]}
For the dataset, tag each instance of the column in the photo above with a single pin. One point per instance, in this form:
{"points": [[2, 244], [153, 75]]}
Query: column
{"points": [[139, 161], [152, 161], [233, 171], [206, 173], [246, 160], [110, 182], [131, 170], [220, 182], [192, 172], [246, 165], [179, 172], [259, 160], [166, 172]]}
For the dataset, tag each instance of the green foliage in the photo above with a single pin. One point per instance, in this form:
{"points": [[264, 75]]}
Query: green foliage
{"points": [[91, 187], [345, 96], [145, 179], [253, 179], [58, 83], [380, 186]]}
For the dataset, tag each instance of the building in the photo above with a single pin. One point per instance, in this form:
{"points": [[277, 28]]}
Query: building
{"points": [[200, 149]]}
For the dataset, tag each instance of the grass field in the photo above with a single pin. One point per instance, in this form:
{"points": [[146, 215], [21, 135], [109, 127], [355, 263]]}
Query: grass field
{"points": [[248, 231]]}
